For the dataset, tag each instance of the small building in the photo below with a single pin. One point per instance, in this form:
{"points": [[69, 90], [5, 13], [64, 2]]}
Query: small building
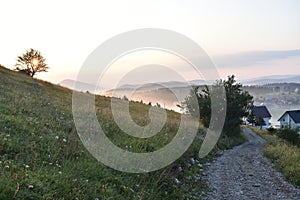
{"points": [[262, 111], [290, 119]]}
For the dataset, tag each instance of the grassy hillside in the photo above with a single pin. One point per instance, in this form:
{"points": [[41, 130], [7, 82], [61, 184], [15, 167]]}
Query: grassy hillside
{"points": [[41, 156], [285, 156]]}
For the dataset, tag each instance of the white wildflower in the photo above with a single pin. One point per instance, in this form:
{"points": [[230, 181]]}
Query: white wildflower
{"points": [[177, 181]]}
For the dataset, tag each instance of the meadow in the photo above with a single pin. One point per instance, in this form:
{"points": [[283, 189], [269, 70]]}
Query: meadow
{"points": [[42, 156]]}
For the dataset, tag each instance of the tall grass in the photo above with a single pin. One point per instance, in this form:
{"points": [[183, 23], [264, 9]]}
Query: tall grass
{"points": [[284, 155]]}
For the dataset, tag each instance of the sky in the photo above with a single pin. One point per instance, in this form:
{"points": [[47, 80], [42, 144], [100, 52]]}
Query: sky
{"points": [[248, 38]]}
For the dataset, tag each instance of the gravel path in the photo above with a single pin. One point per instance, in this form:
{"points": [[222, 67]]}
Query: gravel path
{"points": [[244, 173]]}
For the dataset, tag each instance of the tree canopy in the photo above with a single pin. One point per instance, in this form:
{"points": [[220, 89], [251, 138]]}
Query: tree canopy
{"points": [[260, 122], [238, 104], [251, 117], [31, 62]]}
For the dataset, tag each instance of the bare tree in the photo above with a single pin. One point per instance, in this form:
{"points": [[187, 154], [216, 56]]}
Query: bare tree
{"points": [[31, 62]]}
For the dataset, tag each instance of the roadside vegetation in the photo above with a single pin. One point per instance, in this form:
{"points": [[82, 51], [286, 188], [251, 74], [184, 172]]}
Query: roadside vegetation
{"points": [[236, 104], [283, 152]]}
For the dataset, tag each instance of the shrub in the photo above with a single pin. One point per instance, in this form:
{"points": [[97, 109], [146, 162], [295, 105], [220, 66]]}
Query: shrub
{"points": [[290, 135], [271, 130]]}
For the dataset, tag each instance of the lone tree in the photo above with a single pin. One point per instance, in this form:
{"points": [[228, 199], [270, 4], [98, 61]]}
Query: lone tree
{"points": [[31, 62]]}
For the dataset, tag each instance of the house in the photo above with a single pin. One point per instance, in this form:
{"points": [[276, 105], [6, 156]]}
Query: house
{"points": [[262, 111], [290, 118]]}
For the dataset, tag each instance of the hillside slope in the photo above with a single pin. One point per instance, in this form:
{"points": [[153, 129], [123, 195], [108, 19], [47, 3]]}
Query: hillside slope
{"points": [[41, 156]]}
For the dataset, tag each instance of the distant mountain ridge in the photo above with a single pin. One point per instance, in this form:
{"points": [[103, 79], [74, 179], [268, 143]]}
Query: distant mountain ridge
{"points": [[272, 79], [80, 86]]}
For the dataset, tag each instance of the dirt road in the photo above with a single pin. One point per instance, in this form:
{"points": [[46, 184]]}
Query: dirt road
{"points": [[244, 173]]}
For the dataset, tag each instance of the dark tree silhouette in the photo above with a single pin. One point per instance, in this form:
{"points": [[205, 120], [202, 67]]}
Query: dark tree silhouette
{"points": [[125, 98], [251, 118], [31, 62], [238, 104], [260, 122]]}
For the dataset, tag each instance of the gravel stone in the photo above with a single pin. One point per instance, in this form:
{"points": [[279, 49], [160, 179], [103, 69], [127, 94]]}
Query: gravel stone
{"points": [[244, 173]]}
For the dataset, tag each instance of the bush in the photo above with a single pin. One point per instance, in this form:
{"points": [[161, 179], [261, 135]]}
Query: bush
{"points": [[290, 135], [271, 130]]}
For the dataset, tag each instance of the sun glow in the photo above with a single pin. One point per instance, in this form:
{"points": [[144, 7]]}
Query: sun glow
{"points": [[35, 61]]}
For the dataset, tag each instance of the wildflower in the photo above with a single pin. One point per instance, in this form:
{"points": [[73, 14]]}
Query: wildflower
{"points": [[179, 169], [60, 172], [64, 140], [49, 155], [177, 181], [30, 186], [26, 166], [192, 161], [56, 137], [131, 190]]}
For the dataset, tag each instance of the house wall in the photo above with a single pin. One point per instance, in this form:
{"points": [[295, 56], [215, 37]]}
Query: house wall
{"points": [[288, 121], [285, 121], [294, 125], [267, 121]]}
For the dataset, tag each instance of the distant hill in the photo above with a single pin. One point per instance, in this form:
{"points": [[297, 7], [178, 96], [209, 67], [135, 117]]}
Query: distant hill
{"points": [[80, 86], [269, 88], [272, 79]]}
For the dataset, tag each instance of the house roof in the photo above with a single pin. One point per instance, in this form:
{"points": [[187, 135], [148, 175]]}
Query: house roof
{"points": [[261, 111], [294, 114]]}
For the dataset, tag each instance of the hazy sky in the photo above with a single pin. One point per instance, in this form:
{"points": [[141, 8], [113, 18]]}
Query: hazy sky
{"points": [[248, 38]]}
